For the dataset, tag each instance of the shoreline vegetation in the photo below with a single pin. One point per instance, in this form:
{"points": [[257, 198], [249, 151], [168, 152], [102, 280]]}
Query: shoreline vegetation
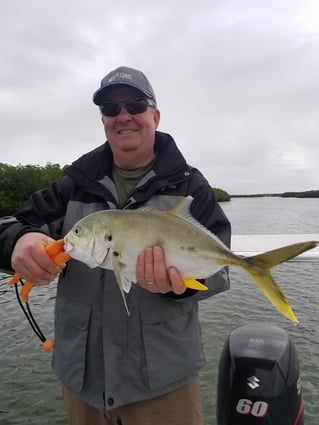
{"points": [[304, 194], [17, 183], [223, 196]]}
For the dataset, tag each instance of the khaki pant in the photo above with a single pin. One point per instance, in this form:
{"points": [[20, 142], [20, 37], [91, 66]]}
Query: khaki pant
{"points": [[180, 407]]}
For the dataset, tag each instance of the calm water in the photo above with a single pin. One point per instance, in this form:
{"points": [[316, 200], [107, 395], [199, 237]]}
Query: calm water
{"points": [[30, 393]]}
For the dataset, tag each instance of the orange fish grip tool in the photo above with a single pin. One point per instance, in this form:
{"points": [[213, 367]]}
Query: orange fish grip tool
{"points": [[57, 254]]}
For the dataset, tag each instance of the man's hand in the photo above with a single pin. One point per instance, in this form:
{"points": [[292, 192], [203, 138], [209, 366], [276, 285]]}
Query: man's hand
{"points": [[153, 275], [30, 260]]}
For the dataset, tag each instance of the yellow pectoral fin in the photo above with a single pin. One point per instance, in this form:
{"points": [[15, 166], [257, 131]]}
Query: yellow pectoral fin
{"points": [[192, 283]]}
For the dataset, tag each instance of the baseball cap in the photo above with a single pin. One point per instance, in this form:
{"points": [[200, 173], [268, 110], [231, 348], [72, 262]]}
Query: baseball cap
{"points": [[124, 76]]}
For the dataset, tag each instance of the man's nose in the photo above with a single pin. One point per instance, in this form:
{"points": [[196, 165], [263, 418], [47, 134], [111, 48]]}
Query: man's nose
{"points": [[123, 111]]}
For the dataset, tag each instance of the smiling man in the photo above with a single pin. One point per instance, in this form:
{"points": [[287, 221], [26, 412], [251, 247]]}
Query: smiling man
{"points": [[131, 135], [136, 369]]}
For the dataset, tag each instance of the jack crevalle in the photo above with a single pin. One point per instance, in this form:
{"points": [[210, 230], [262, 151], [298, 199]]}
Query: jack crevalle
{"points": [[112, 239]]}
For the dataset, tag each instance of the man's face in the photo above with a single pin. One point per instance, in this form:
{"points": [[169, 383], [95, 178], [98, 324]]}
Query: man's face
{"points": [[131, 137]]}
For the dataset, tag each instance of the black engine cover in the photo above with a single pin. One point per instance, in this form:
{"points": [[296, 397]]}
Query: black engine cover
{"points": [[258, 381]]}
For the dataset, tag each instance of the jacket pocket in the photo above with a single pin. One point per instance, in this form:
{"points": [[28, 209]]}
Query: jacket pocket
{"points": [[173, 347], [71, 334]]}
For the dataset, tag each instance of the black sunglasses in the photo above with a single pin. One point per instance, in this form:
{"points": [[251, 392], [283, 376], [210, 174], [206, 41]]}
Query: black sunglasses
{"points": [[133, 107]]}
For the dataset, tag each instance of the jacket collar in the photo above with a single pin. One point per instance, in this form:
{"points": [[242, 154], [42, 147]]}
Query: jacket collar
{"points": [[93, 171]]}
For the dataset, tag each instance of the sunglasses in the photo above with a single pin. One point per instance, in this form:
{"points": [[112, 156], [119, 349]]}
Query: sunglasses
{"points": [[133, 107]]}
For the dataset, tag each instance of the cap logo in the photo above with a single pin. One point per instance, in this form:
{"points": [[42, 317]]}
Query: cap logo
{"points": [[120, 76]]}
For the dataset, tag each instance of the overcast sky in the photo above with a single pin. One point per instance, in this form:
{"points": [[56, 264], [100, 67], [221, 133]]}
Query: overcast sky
{"points": [[237, 82]]}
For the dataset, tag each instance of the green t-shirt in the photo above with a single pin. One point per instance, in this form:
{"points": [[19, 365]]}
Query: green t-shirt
{"points": [[127, 179]]}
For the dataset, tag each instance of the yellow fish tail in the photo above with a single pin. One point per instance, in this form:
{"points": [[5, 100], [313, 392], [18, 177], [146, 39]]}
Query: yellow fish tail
{"points": [[269, 287], [280, 255], [259, 267]]}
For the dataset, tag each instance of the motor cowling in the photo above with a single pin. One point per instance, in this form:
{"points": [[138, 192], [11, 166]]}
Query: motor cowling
{"points": [[258, 381]]}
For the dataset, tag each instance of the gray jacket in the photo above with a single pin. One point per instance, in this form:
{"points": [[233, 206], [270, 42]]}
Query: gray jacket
{"points": [[107, 357]]}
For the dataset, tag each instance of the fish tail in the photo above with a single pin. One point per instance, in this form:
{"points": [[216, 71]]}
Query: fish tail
{"points": [[268, 286], [285, 253], [259, 266]]}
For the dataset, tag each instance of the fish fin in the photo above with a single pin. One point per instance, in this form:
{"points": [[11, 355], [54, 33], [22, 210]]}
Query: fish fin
{"points": [[126, 283], [117, 268], [285, 253], [182, 211], [258, 266], [269, 287], [192, 283], [146, 208]]}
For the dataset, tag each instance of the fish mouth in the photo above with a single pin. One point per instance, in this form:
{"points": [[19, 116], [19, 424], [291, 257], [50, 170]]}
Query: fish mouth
{"points": [[68, 246]]}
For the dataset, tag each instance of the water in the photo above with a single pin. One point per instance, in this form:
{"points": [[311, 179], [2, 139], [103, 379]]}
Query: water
{"points": [[245, 303], [30, 393]]}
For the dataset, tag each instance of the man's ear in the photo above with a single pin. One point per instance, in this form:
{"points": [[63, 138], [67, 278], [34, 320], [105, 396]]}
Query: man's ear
{"points": [[157, 117]]}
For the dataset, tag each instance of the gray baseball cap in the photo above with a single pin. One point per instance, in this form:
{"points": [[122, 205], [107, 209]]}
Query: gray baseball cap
{"points": [[124, 76]]}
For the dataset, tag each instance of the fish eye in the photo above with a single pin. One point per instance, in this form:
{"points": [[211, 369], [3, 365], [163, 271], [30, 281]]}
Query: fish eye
{"points": [[77, 231]]}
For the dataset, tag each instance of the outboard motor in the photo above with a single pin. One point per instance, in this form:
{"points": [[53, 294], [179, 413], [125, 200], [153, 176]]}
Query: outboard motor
{"points": [[258, 381]]}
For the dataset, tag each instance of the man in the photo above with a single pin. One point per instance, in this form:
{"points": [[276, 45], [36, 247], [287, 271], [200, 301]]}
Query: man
{"points": [[118, 369]]}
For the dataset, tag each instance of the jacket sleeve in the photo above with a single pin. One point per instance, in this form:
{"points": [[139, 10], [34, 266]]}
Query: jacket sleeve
{"points": [[43, 213]]}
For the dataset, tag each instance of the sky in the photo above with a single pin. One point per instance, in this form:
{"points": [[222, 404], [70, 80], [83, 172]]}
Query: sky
{"points": [[237, 82]]}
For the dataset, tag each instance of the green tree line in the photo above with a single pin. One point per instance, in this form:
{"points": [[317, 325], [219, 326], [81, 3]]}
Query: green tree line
{"points": [[17, 183], [306, 194], [221, 195]]}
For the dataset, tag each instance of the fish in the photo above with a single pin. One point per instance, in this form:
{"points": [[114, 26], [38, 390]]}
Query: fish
{"points": [[113, 239]]}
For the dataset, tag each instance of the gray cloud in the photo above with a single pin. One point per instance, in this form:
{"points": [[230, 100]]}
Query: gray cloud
{"points": [[237, 82]]}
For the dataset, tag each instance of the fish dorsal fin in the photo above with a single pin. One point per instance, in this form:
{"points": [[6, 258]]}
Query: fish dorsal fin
{"points": [[182, 211], [145, 208]]}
